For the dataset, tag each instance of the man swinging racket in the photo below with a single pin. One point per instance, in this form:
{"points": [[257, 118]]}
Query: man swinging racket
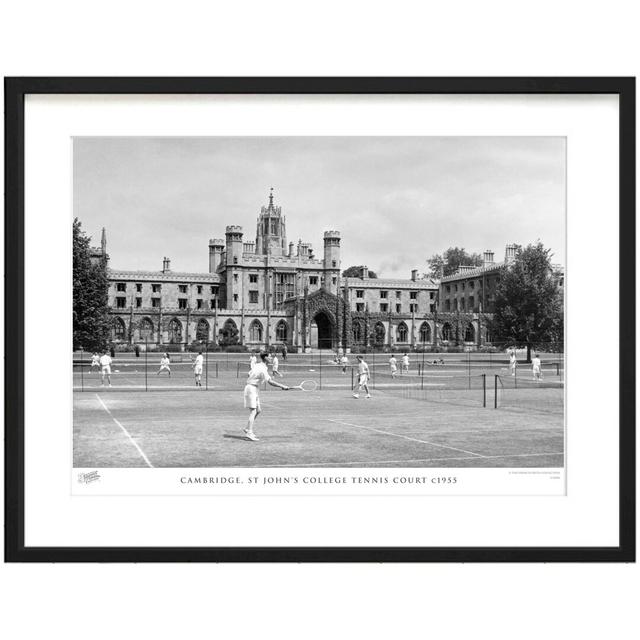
{"points": [[258, 374]]}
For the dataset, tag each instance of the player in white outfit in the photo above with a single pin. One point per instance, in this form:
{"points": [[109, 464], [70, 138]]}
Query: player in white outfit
{"points": [[258, 375], [344, 362], [95, 361], [274, 366], [513, 362], [164, 365], [536, 366], [405, 363], [363, 378], [105, 367], [252, 361], [197, 368], [393, 365]]}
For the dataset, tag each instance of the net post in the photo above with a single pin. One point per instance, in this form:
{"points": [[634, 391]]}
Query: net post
{"points": [[216, 368], [484, 390], [237, 368], [515, 378], [422, 382], [206, 366], [351, 377], [469, 367], [495, 392], [558, 369], [146, 351], [81, 369], [320, 356]]}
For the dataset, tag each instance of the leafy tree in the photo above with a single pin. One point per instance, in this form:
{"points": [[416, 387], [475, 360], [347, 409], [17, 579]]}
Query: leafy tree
{"points": [[356, 272], [229, 334], [528, 307], [91, 324], [447, 263]]}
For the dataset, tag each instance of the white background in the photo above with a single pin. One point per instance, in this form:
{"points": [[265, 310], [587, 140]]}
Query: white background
{"points": [[465, 38]]}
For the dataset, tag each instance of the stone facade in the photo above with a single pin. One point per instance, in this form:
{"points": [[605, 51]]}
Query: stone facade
{"points": [[271, 292]]}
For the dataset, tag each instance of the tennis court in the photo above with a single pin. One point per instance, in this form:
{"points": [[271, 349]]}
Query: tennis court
{"points": [[446, 416]]}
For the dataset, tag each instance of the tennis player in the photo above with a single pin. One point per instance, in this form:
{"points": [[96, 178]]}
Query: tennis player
{"points": [[105, 367], [164, 365], [513, 362], [344, 362], [95, 361], [393, 365], [363, 378], [274, 365], [536, 368], [252, 361], [405, 363], [197, 368], [258, 374]]}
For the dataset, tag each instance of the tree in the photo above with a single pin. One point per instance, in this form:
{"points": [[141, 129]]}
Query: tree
{"points": [[447, 263], [356, 272], [528, 308], [91, 325]]}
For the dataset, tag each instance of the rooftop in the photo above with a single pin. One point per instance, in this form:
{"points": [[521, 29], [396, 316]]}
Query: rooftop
{"points": [[168, 276], [473, 273]]}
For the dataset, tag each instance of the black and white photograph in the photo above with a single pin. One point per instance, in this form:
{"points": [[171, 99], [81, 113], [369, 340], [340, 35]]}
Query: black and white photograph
{"points": [[319, 302]]}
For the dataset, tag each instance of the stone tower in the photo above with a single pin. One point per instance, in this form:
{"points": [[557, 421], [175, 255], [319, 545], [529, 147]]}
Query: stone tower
{"points": [[233, 268], [271, 232], [331, 260], [216, 249]]}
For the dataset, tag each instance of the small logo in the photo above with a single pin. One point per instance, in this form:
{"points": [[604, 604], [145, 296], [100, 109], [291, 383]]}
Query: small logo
{"points": [[87, 478]]}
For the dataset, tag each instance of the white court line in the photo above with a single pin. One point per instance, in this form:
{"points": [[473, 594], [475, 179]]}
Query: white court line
{"points": [[397, 435], [126, 433], [374, 462]]}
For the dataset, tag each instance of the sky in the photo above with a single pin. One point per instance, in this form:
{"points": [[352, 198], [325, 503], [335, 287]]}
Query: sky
{"points": [[395, 200]]}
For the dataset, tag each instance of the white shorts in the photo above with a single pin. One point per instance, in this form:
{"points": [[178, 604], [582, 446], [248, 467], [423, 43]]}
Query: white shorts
{"points": [[393, 368], [362, 378], [275, 369], [197, 371], [164, 366], [106, 370], [536, 371], [251, 397]]}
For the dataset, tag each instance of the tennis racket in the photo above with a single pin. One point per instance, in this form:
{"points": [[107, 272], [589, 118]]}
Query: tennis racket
{"points": [[306, 385]]}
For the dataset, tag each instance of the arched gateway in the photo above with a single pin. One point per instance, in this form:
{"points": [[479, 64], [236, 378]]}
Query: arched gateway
{"points": [[322, 331]]}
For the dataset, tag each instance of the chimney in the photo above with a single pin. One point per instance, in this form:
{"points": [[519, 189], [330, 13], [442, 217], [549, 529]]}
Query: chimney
{"points": [[365, 273], [291, 249], [510, 253], [488, 258], [414, 274], [166, 265]]}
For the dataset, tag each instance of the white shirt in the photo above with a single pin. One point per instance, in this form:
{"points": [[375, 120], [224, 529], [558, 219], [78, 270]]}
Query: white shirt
{"points": [[95, 359], [274, 362], [363, 367], [199, 360], [393, 362], [258, 374], [252, 361], [536, 363], [344, 360], [405, 360], [512, 357], [105, 360], [164, 361]]}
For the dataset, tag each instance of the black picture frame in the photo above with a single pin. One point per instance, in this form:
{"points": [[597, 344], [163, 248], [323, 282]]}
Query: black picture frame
{"points": [[15, 91]]}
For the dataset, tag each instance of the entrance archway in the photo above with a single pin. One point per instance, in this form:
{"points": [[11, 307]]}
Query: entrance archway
{"points": [[321, 331]]}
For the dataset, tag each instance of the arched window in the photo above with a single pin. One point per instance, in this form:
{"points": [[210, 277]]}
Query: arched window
{"points": [[425, 332], [358, 331], [403, 332], [202, 330], [281, 331], [146, 330], [255, 331], [379, 333], [446, 331], [469, 333], [175, 331], [118, 329]]}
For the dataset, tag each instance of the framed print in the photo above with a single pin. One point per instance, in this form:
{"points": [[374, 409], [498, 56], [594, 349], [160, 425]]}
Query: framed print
{"points": [[320, 319]]}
